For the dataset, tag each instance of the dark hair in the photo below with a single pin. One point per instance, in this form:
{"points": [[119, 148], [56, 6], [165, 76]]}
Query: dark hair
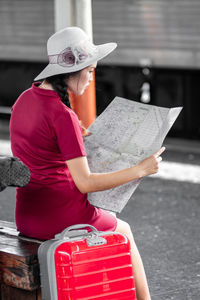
{"points": [[59, 85]]}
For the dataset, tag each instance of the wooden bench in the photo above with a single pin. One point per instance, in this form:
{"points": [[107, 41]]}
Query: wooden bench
{"points": [[19, 267]]}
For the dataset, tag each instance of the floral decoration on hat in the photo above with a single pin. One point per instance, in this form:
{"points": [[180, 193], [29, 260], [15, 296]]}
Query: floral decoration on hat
{"points": [[73, 55]]}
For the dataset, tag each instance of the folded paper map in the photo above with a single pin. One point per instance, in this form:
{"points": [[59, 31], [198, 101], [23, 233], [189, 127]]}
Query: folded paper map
{"points": [[123, 135]]}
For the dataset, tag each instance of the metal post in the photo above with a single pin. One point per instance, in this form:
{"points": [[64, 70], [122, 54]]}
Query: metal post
{"points": [[84, 16], [64, 14], [78, 13]]}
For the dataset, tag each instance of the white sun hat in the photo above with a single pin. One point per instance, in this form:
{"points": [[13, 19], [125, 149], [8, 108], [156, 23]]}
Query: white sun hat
{"points": [[70, 50]]}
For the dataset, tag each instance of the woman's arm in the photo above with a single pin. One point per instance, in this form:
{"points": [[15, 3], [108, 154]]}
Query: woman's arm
{"points": [[88, 182]]}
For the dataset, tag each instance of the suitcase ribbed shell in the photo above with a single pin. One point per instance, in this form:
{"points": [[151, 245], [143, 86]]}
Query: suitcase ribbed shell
{"points": [[95, 272]]}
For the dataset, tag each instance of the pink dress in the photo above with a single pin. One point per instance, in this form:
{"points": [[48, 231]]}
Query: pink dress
{"points": [[44, 134]]}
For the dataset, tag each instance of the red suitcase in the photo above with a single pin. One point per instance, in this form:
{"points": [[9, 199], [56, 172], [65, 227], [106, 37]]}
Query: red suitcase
{"points": [[87, 264]]}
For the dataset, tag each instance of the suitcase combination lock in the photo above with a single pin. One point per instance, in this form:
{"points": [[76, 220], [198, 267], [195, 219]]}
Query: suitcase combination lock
{"points": [[94, 240]]}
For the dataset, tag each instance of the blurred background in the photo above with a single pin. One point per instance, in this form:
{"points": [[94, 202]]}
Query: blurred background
{"points": [[157, 62]]}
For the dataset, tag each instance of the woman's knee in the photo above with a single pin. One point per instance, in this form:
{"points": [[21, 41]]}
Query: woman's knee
{"points": [[123, 227]]}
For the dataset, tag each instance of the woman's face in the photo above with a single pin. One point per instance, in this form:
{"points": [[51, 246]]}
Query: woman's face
{"points": [[78, 83]]}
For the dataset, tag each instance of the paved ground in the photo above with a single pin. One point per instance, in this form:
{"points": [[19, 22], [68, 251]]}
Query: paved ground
{"points": [[164, 214]]}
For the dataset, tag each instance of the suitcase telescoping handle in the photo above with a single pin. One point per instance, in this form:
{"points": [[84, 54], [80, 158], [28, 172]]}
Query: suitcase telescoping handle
{"points": [[73, 231]]}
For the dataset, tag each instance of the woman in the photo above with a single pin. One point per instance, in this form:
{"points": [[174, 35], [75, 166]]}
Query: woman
{"points": [[46, 136]]}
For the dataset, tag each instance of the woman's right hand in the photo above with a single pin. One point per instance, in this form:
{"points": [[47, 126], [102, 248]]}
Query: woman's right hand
{"points": [[150, 165]]}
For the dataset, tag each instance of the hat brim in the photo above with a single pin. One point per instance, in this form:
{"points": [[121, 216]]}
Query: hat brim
{"points": [[55, 69]]}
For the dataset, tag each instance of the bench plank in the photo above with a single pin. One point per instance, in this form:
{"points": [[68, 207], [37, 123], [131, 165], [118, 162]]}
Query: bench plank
{"points": [[18, 259], [11, 293]]}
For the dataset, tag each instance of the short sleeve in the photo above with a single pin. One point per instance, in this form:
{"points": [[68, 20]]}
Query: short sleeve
{"points": [[69, 135]]}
